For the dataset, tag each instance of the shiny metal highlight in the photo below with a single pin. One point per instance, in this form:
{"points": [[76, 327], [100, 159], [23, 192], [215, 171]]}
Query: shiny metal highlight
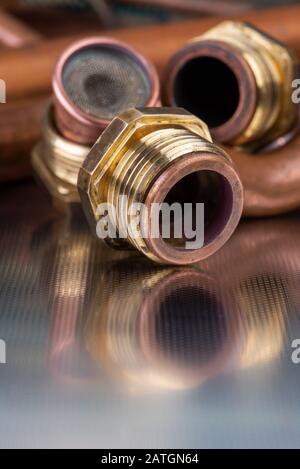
{"points": [[56, 162], [143, 155]]}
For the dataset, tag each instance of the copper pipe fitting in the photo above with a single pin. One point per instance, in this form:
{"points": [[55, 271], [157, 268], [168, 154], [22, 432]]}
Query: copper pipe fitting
{"points": [[161, 155], [238, 80], [94, 80]]}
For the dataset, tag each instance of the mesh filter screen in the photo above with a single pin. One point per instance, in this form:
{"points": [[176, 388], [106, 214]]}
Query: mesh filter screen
{"points": [[104, 81]]}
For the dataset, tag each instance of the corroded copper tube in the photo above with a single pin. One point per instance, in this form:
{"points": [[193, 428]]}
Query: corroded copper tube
{"points": [[95, 79]]}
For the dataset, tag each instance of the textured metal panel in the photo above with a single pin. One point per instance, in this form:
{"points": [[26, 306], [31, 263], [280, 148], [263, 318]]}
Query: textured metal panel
{"points": [[106, 349]]}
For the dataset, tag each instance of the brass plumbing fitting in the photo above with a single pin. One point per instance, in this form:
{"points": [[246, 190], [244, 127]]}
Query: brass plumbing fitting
{"points": [[90, 86], [239, 81], [56, 161], [156, 155]]}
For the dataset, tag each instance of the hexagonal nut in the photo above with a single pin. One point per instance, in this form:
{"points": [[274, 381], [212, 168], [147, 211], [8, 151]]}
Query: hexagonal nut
{"points": [[127, 128]]}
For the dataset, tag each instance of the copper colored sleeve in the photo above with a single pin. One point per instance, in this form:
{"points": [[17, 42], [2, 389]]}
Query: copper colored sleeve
{"points": [[14, 33]]}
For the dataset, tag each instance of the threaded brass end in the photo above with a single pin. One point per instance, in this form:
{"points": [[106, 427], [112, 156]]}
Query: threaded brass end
{"points": [[56, 161], [155, 156]]}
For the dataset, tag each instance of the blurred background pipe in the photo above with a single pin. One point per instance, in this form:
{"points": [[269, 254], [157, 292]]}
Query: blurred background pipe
{"points": [[158, 43], [14, 33], [271, 180], [20, 127]]}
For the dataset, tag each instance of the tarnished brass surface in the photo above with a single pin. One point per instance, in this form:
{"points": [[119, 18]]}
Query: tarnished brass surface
{"points": [[263, 69], [143, 154], [57, 160]]}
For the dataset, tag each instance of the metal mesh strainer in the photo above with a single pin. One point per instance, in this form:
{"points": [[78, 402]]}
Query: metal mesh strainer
{"points": [[104, 81], [96, 79]]}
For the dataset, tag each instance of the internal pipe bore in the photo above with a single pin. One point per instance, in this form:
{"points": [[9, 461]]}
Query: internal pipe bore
{"points": [[213, 81], [203, 187], [212, 95]]}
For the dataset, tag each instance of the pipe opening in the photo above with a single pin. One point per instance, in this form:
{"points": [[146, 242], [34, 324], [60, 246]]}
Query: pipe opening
{"points": [[208, 88], [202, 187]]}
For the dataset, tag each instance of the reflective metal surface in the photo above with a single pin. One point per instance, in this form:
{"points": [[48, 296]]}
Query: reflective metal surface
{"points": [[106, 349]]}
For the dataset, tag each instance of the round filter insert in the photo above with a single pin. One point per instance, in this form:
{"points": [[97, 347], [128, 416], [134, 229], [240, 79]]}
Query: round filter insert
{"points": [[97, 79]]}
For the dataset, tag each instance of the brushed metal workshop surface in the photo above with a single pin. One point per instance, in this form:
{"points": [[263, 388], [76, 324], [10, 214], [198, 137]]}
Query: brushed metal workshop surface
{"points": [[105, 349]]}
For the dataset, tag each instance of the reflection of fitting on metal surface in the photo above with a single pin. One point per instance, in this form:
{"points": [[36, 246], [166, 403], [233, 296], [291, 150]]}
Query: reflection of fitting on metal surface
{"points": [[56, 162], [239, 81], [162, 155], [165, 329], [264, 306], [96, 79]]}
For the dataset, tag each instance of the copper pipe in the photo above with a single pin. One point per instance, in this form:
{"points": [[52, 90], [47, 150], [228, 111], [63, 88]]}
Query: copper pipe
{"points": [[158, 43], [271, 180], [260, 174], [14, 33]]}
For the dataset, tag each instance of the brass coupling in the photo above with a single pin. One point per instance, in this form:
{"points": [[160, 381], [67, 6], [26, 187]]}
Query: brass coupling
{"points": [[239, 81], [155, 155], [56, 161]]}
